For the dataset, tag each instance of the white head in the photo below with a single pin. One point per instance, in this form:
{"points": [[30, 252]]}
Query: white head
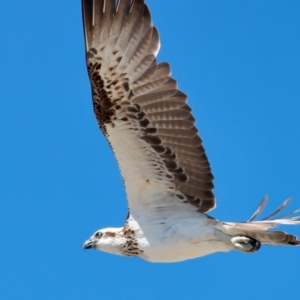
{"points": [[108, 240]]}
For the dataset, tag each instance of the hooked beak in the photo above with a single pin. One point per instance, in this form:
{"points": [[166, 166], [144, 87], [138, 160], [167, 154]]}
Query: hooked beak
{"points": [[89, 244]]}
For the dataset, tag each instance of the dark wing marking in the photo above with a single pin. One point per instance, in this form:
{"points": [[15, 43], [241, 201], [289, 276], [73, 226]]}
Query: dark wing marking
{"points": [[132, 92]]}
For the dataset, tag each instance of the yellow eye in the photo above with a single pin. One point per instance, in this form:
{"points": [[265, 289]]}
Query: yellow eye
{"points": [[98, 235]]}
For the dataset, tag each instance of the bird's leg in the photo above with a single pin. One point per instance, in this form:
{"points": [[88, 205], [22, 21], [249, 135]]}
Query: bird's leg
{"points": [[245, 244]]}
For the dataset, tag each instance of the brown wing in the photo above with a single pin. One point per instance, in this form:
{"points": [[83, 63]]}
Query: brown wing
{"points": [[139, 108]]}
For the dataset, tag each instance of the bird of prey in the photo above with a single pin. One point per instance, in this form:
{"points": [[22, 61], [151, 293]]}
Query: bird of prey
{"points": [[150, 128]]}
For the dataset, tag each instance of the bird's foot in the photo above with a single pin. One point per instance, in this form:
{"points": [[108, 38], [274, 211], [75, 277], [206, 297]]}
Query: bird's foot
{"points": [[245, 244]]}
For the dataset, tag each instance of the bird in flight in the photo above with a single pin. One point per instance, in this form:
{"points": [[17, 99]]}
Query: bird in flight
{"points": [[150, 128]]}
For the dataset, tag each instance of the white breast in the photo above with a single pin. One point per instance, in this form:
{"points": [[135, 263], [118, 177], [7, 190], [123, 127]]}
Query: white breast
{"points": [[179, 238]]}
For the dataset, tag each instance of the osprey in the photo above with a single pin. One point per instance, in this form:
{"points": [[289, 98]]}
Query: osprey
{"points": [[150, 128]]}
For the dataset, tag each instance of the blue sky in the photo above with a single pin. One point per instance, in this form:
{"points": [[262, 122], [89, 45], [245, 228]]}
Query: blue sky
{"points": [[238, 61]]}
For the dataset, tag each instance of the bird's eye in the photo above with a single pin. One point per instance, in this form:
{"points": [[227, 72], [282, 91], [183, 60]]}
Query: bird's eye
{"points": [[98, 235]]}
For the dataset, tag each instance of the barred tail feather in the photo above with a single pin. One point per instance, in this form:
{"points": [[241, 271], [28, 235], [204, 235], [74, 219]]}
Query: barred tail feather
{"points": [[279, 238], [258, 230]]}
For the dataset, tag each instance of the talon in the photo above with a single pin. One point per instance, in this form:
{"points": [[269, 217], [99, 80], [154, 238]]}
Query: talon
{"points": [[245, 244]]}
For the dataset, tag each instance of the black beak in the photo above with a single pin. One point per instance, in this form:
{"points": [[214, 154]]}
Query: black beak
{"points": [[89, 244]]}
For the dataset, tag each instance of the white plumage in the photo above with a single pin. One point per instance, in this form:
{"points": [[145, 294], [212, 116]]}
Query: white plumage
{"points": [[151, 130]]}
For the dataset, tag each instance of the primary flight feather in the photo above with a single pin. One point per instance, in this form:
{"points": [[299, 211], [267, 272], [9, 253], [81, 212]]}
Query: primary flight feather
{"points": [[150, 128]]}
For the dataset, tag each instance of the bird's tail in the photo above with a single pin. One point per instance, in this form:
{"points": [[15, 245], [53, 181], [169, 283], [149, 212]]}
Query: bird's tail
{"points": [[258, 230]]}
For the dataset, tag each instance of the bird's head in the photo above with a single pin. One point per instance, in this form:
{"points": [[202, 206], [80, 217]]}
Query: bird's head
{"points": [[107, 240]]}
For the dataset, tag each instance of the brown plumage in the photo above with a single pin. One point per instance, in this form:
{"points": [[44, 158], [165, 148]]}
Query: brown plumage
{"points": [[129, 86]]}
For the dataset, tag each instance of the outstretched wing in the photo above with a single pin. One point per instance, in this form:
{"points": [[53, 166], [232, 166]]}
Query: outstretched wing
{"points": [[140, 110]]}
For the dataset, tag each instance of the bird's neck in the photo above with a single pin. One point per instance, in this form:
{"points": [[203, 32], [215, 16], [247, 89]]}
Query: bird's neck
{"points": [[121, 241]]}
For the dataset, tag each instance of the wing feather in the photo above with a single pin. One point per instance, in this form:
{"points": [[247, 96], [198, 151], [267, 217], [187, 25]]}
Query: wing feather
{"points": [[140, 110]]}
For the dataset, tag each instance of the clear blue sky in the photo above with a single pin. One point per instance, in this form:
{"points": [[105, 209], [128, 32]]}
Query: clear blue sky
{"points": [[239, 63]]}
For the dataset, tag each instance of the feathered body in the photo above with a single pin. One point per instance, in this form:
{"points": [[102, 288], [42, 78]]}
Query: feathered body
{"points": [[150, 128]]}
